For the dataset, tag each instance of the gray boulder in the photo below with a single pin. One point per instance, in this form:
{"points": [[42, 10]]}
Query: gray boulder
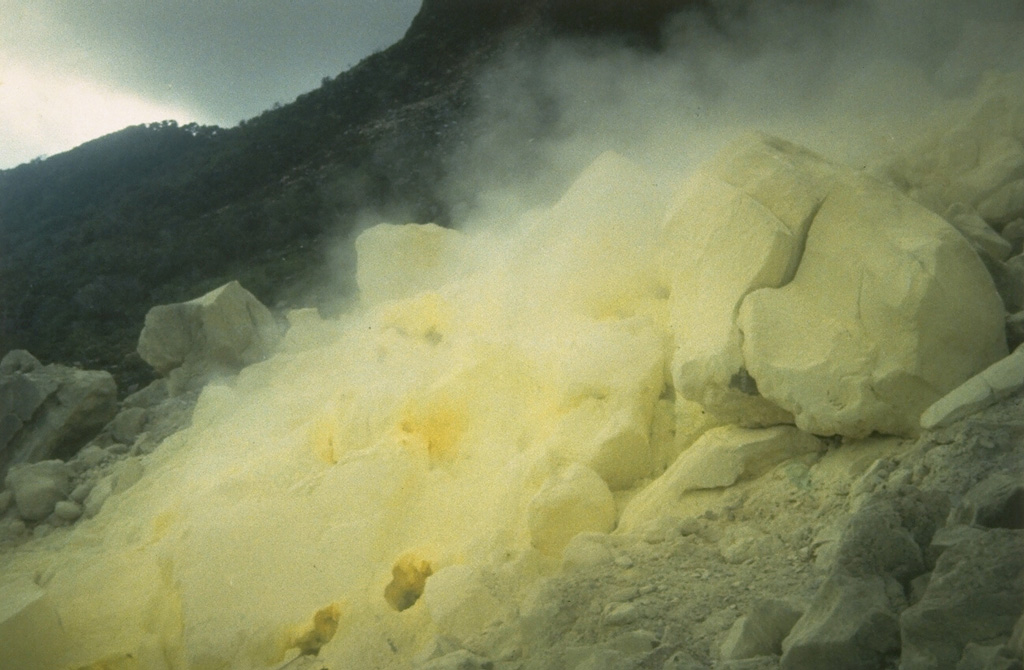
{"points": [[760, 633], [850, 625], [981, 235], [219, 333], [995, 502], [38, 487], [975, 595], [50, 410]]}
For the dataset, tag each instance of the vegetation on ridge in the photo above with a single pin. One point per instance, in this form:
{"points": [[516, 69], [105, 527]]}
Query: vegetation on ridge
{"points": [[92, 238]]}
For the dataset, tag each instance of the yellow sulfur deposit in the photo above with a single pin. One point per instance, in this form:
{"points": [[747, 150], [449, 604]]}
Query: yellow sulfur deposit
{"points": [[489, 400]]}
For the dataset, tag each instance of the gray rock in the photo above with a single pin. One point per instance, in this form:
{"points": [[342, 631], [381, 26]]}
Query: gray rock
{"points": [[218, 333], [90, 457], [950, 536], [80, 492], [60, 409], [150, 396], [682, 661], [850, 625], [18, 360], [1013, 232], [20, 396], [67, 510], [127, 425], [98, 495], [875, 542], [457, 660], [1015, 330], [756, 663], [6, 498], [1005, 204], [988, 657], [976, 594], [978, 232], [760, 633], [995, 502], [37, 487], [998, 381], [1016, 643]]}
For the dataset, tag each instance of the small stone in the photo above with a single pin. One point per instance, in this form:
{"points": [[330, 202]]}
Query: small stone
{"points": [[620, 614], [624, 594], [623, 561], [1013, 232], [67, 510], [81, 492], [127, 424], [6, 498], [586, 550], [129, 472], [98, 495], [90, 457], [761, 632], [37, 487], [682, 661], [18, 360]]}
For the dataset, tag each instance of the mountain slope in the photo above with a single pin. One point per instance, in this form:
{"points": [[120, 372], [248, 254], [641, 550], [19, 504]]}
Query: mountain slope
{"points": [[90, 239]]}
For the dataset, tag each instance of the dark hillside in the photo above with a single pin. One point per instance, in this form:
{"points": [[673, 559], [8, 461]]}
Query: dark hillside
{"points": [[92, 238]]}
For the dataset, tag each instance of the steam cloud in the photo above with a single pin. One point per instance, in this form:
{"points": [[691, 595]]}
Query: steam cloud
{"points": [[850, 81], [433, 442]]}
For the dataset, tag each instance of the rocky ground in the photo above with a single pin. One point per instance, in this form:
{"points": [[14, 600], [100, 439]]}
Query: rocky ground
{"points": [[754, 549], [880, 553]]}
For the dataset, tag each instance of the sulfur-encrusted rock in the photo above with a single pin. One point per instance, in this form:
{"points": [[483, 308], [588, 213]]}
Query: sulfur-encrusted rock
{"points": [[992, 384], [981, 235], [720, 458], [602, 233], [31, 634], [574, 501], [889, 309], [399, 261], [220, 332], [737, 226], [459, 601], [975, 158], [803, 291]]}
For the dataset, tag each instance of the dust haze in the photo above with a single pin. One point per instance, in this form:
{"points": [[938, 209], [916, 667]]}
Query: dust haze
{"points": [[851, 81]]}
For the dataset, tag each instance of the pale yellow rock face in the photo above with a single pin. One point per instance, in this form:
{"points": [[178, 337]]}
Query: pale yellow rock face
{"points": [[228, 327], [591, 252], [804, 292], [399, 261], [976, 156], [738, 226], [720, 458], [571, 502], [889, 309], [30, 629]]}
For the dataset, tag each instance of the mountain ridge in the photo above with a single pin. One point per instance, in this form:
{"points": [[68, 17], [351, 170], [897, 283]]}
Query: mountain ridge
{"points": [[154, 213]]}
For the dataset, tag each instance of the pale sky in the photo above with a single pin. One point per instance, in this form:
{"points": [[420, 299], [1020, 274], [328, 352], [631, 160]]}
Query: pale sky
{"points": [[73, 70]]}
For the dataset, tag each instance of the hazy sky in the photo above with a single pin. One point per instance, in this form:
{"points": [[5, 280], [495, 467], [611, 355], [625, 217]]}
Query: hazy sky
{"points": [[72, 70]]}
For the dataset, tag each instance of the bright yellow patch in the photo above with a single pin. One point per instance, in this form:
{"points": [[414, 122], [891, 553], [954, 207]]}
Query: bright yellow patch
{"points": [[408, 578], [311, 638]]}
